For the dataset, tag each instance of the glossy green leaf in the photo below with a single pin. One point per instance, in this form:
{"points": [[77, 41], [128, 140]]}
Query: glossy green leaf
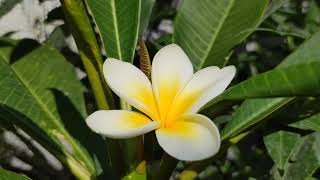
{"points": [[250, 112], [310, 123], [146, 10], [41, 94], [118, 22], [253, 111], [280, 82], [7, 5], [305, 160], [280, 145], [5, 174], [207, 30]]}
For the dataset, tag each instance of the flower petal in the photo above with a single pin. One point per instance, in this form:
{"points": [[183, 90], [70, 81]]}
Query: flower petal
{"points": [[171, 70], [203, 87], [120, 123], [132, 85], [192, 138]]}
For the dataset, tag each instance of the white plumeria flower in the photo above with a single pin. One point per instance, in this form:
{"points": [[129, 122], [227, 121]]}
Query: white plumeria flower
{"points": [[170, 104]]}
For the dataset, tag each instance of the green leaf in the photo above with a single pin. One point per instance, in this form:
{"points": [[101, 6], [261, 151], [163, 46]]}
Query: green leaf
{"points": [[280, 145], [310, 123], [305, 160], [146, 10], [312, 19], [89, 50], [80, 25], [274, 171], [280, 82], [253, 111], [274, 5], [207, 30], [5, 174], [284, 32], [7, 5], [118, 22], [56, 38], [32, 84]]}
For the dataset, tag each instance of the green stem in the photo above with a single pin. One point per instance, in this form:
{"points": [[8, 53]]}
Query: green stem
{"points": [[167, 165], [89, 51]]}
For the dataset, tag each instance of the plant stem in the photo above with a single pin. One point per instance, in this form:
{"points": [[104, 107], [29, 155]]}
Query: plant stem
{"points": [[167, 165], [89, 51]]}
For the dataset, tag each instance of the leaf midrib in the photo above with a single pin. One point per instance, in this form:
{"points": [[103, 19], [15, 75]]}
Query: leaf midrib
{"points": [[283, 102], [115, 24], [215, 35]]}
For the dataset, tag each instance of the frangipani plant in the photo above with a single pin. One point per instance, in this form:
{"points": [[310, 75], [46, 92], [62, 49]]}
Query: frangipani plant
{"points": [[156, 91], [170, 103]]}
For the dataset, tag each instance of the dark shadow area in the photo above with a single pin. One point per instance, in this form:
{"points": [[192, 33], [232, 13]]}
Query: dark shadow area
{"points": [[4, 43], [55, 14], [22, 48], [76, 126], [18, 49]]}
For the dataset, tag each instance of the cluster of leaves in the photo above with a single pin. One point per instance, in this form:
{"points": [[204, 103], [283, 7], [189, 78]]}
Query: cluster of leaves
{"points": [[269, 119]]}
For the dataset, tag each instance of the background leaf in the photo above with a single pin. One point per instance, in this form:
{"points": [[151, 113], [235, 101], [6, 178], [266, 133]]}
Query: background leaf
{"points": [[32, 83], [146, 10], [280, 146], [253, 111], [216, 26], [118, 22], [274, 5], [279, 82], [310, 123], [5, 174], [305, 160], [56, 38], [7, 5]]}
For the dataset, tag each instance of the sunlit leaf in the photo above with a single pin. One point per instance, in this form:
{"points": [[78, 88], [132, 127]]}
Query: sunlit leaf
{"points": [[208, 29], [280, 82]]}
